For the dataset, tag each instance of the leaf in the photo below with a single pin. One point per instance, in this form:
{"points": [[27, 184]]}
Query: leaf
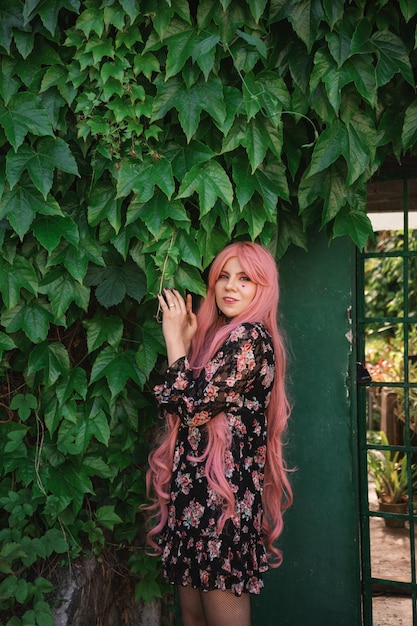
{"points": [[114, 16], [117, 368], [156, 212], [21, 204], [6, 343], [210, 181], [103, 204], [74, 384], [11, 17], [152, 345], [392, 58], [95, 466], [55, 75], [116, 280], [9, 83], [305, 17], [274, 96], [11, 551], [255, 217], [15, 277], [354, 223], [76, 260], [107, 517], [188, 277], [361, 39], [257, 8], [204, 52], [329, 185], [148, 591], [362, 141], [330, 145], [254, 41], [115, 69], [146, 64], [41, 162], [180, 46], [99, 427], [233, 16], [131, 8], [15, 442], [333, 191], [91, 21], [261, 135], [409, 131], [333, 10], [73, 438], [141, 177], [103, 329], [52, 359], [290, 231], [62, 290], [69, 482], [48, 230], [268, 180], [189, 102], [183, 156], [24, 404], [300, 62], [32, 318], [189, 250], [361, 71], [339, 45], [408, 9], [24, 114], [24, 42]]}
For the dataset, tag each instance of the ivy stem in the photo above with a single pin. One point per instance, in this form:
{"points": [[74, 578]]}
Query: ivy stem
{"points": [[164, 266]]}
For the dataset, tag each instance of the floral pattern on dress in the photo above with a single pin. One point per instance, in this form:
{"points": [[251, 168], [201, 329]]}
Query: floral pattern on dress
{"points": [[237, 381]]}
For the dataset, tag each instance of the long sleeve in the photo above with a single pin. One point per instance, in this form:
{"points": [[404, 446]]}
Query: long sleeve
{"points": [[245, 360]]}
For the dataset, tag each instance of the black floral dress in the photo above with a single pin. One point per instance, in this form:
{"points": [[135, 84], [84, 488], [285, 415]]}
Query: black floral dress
{"points": [[236, 381]]}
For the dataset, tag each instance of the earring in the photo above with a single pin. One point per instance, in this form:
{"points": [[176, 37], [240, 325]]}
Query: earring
{"points": [[219, 312]]}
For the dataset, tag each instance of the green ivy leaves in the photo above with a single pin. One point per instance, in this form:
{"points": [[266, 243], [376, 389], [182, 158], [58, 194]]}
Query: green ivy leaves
{"points": [[24, 114], [134, 145], [40, 162]]}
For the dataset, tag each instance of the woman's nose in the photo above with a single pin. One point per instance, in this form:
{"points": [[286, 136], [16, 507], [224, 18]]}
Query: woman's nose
{"points": [[230, 284]]}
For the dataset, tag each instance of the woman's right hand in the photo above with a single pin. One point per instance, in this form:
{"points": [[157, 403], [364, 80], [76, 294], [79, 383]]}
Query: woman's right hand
{"points": [[179, 323]]}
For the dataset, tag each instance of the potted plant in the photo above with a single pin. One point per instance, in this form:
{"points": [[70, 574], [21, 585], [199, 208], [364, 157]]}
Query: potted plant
{"points": [[389, 471]]}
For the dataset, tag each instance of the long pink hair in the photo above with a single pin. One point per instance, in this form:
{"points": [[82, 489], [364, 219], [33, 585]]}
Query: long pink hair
{"points": [[212, 331]]}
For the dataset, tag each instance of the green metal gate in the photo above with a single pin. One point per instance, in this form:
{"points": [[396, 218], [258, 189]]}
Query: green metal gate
{"points": [[386, 327]]}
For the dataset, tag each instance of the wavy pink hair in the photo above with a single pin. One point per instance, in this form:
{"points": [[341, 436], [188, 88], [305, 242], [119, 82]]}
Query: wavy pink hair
{"points": [[212, 331]]}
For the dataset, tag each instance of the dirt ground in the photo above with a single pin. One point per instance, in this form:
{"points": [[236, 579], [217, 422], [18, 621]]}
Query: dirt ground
{"points": [[391, 560], [392, 612]]}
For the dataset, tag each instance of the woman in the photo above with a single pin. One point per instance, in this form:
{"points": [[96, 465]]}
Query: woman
{"points": [[218, 477]]}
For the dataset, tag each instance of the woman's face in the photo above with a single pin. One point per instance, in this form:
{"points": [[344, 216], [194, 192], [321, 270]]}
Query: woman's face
{"points": [[234, 290]]}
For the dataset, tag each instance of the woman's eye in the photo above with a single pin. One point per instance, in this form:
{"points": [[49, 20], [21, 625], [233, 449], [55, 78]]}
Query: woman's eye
{"points": [[245, 278]]}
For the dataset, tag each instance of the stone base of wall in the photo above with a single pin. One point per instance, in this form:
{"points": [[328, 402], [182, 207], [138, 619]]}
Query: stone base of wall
{"points": [[92, 593]]}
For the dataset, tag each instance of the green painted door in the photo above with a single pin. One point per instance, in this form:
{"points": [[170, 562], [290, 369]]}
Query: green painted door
{"points": [[319, 581]]}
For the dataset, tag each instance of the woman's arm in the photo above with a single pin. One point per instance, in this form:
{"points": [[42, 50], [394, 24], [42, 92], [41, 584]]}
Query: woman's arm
{"points": [[246, 359]]}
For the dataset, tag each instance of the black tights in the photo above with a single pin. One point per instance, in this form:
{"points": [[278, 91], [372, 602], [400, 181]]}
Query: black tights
{"points": [[214, 608]]}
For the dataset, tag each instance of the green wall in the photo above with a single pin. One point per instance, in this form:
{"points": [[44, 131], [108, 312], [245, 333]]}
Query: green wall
{"points": [[318, 582]]}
